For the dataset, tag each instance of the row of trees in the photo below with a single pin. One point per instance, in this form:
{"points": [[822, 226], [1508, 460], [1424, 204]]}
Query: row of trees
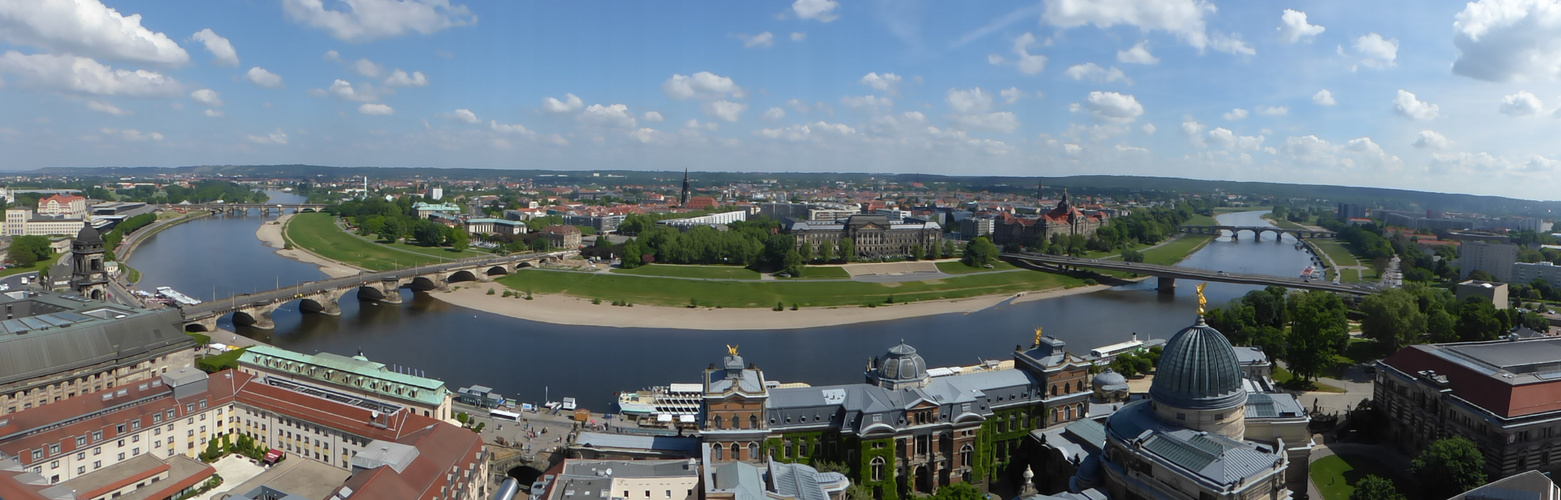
{"points": [[395, 220], [1146, 225], [1305, 329], [112, 239], [1418, 313], [28, 250]]}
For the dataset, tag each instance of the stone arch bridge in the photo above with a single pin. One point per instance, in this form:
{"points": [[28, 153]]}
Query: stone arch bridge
{"points": [[1257, 231], [324, 296], [265, 208]]}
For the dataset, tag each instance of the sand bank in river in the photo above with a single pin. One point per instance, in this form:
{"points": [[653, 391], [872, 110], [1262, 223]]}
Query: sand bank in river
{"points": [[271, 234]]}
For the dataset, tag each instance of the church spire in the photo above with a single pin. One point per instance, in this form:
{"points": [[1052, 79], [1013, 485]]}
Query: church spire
{"points": [[683, 199]]}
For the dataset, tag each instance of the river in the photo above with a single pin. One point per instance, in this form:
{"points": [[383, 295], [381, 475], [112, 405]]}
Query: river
{"points": [[219, 256]]}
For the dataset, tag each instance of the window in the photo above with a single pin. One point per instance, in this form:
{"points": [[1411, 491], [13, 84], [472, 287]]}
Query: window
{"points": [[97, 464], [81, 441], [753, 454], [964, 455], [54, 449], [37, 454], [119, 429], [97, 451], [121, 455], [97, 436], [1218, 417], [1181, 416], [81, 455], [157, 418], [135, 425], [717, 451], [736, 452], [877, 465], [81, 470], [753, 423], [717, 422]]}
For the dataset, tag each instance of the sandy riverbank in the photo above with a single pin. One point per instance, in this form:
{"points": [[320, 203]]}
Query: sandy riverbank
{"points": [[271, 235], [566, 310]]}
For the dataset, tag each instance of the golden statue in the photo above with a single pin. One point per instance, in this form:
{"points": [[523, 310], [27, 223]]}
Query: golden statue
{"points": [[733, 349], [1037, 336], [1202, 301]]}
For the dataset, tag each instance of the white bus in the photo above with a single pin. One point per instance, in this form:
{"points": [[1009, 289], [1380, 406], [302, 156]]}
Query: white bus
{"points": [[504, 415]]}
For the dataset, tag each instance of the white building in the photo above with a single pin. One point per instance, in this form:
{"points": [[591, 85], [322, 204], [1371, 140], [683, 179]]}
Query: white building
{"points": [[706, 220], [1524, 273]]}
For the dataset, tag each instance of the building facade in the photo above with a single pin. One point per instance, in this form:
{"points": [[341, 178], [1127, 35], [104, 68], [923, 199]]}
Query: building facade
{"points": [[874, 236], [354, 375], [1526, 272], [63, 206], [88, 277], [1063, 220], [1494, 258], [562, 237]]}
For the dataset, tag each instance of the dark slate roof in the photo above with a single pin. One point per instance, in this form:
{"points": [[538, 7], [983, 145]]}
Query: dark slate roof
{"points": [[54, 333], [88, 236], [1198, 370], [902, 363], [1213, 458], [852, 406], [1109, 380]]}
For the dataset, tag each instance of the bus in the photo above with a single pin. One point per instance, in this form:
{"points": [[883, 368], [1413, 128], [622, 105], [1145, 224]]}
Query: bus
{"points": [[504, 415]]}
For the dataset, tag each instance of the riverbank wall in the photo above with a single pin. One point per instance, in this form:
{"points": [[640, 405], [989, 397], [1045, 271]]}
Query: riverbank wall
{"points": [[133, 240]]}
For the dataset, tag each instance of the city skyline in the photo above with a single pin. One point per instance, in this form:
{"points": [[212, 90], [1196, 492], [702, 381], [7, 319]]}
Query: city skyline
{"points": [[1448, 96]]}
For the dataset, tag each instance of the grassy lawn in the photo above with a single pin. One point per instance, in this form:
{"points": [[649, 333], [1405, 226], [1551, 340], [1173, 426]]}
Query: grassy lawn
{"points": [[317, 232], [959, 267], [39, 266], [825, 273], [1226, 210], [766, 293], [1178, 249], [1349, 275], [1341, 256], [689, 271], [1283, 224], [445, 252], [1337, 475], [130, 273], [1288, 380], [1201, 220], [1096, 254]]}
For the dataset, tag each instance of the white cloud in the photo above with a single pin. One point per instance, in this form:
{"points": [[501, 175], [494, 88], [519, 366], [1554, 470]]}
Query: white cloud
{"points": [[1357, 152], [399, 78], [1182, 18], [506, 128], [1011, 95], [1522, 104], [969, 101], [818, 10], [765, 39], [1093, 72], [797, 36], [1027, 63], [570, 104], [368, 68], [80, 75], [1506, 40], [365, 20], [870, 103], [1407, 105], [802, 132], [616, 115], [773, 114], [376, 109], [702, 85], [1377, 52], [653, 116], [1139, 54], [1273, 110], [212, 113], [726, 110], [1236, 114], [887, 82], [259, 76], [1149, 129], [133, 135], [1293, 27], [89, 29], [647, 135], [333, 56], [1001, 121], [276, 138], [207, 97], [1324, 98], [1112, 107], [342, 89], [466, 115], [106, 107], [1194, 132], [219, 47], [1485, 164], [1224, 138], [1430, 139]]}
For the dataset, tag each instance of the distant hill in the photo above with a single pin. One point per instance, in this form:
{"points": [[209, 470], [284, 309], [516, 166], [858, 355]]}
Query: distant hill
{"points": [[1104, 184]]}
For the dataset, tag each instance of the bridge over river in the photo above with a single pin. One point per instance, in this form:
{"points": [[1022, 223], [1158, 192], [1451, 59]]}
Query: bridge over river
{"points": [[323, 296], [1169, 274], [1257, 231], [265, 208]]}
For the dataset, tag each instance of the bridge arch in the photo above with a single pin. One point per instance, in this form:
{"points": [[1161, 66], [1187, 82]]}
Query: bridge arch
{"points": [[459, 276], [422, 284]]}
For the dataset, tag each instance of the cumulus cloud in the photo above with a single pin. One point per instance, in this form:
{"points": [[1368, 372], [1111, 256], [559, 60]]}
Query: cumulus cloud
{"points": [[1521, 104], [80, 75], [87, 29], [809, 131], [765, 39], [376, 109], [1375, 51], [653, 116], [1507, 40], [466, 115], [219, 47], [274, 138], [870, 103], [1027, 63], [1093, 72], [367, 68], [207, 97], [259, 76], [616, 115], [1182, 18], [106, 107], [726, 110], [1011, 95], [1236, 114], [818, 10], [701, 85], [1430, 139], [1324, 98], [1149, 129], [1357, 152], [1407, 105], [132, 135], [1194, 132], [399, 78], [212, 113], [1139, 54], [342, 89], [1488, 164], [969, 100], [1113, 107], [1273, 110], [887, 82], [1001, 122], [508, 128], [1293, 27], [1227, 139], [570, 104], [366, 20], [773, 114], [797, 36]]}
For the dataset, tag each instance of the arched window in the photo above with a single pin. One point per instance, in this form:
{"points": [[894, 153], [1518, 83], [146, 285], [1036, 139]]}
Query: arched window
{"points": [[716, 451], [717, 422], [1054, 389], [877, 464], [1080, 409], [1053, 418], [753, 421], [737, 452], [753, 451], [1067, 413], [1081, 386], [964, 455]]}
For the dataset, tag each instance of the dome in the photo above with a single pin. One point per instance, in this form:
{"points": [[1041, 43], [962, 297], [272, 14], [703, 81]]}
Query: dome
{"points": [[88, 236], [902, 363], [1198, 371], [1109, 381]]}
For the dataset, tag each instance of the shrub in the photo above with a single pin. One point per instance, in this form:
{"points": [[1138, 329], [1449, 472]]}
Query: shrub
{"points": [[779, 306], [596, 301], [490, 292]]}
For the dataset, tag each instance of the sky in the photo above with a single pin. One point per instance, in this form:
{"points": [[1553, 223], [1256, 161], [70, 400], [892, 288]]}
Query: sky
{"points": [[1428, 95]]}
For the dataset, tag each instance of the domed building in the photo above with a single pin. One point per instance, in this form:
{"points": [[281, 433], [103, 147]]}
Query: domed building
{"points": [[1109, 387], [899, 368]]}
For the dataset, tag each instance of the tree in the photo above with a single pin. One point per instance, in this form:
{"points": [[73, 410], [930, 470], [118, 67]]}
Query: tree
{"points": [[858, 492], [1480, 275], [949, 248], [958, 491], [916, 252], [793, 263], [28, 250], [1393, 318], [1318, 330], [428, 233], [1477, 320], [826, 252], [459, 239], [1131, 255], [601, 242], [847, 249], [932, 252], [980, 252], [1448, 467], [1374, 487], [392, 230]]}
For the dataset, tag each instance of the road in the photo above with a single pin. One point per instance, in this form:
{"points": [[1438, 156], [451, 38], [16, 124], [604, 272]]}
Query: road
{"points": [[1191, 273]]}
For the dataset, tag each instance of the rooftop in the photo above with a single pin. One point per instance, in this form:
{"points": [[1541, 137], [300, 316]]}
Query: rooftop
{"points": [[338, 369], [52, 333]]}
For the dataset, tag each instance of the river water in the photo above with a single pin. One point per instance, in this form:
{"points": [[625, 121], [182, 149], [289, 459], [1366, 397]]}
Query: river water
{"points": [[220, 256]]}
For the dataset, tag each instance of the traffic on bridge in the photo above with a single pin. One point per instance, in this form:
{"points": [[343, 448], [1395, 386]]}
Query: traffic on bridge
{"points": [[1169, 274]]}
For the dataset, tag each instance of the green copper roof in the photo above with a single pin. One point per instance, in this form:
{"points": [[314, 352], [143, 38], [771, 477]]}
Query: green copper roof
{"points": [[1198, 370], [353, 371]]}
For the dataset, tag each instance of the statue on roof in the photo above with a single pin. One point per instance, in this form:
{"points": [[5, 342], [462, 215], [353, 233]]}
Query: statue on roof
{"points": [[732, 349], [1202, 301], [1037, 336]]}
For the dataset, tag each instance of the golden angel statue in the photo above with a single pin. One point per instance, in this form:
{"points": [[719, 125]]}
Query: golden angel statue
{"points": [[1202, 301], [1037, 336], [731, 349]]}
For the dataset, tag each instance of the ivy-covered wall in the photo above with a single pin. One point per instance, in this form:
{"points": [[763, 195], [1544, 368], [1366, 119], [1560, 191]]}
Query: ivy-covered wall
{"points": [[987, 462], [864, 470]]}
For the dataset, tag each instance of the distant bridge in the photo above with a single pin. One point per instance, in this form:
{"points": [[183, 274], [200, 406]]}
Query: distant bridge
{"points": [[1169, 274], [1257, 231], [323, 296], [265, 208]]}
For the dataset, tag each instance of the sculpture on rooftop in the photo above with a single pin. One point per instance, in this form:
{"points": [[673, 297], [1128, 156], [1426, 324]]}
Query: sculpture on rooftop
{"points": [[1202, 301], [731, 349], [1037, 336]]}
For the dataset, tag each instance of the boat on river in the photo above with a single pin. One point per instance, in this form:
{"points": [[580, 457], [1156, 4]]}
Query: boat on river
{"points": [[178, 298], [674, 400]]}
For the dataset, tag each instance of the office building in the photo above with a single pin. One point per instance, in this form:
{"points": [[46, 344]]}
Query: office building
{"points": [[1493, 258], [874, 235], [1524, 273], [354, 375], [63, 206]]}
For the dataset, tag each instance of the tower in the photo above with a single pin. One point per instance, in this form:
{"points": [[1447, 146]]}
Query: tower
{"points": [[683, 199], [88, 276]]}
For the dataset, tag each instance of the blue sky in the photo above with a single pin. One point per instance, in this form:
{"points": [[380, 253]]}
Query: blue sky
{"points": [[1441, 96]]}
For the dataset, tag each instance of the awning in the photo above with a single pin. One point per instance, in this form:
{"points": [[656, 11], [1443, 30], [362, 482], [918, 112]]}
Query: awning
{"points": [[273, 455], [665, 417]]}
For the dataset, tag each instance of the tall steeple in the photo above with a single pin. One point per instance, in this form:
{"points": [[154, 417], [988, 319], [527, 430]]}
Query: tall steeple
{"points": [[683, 199]]}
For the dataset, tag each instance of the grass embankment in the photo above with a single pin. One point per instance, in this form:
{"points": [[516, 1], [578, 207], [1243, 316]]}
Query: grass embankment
{"points": [[1337, 475], [318, 233], [1201, 220], [130, 273], [1176, 250], [959, 267], [1282, 223], [1341, 256], [767, 293], [702, 272]]}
